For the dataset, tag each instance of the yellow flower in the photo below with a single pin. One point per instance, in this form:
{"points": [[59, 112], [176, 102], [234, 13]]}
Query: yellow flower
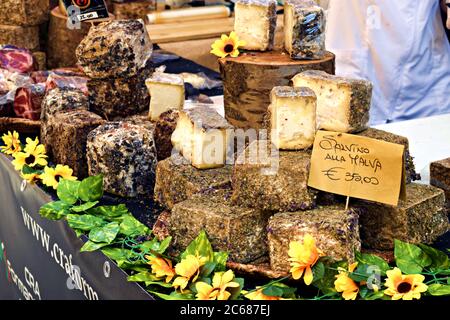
{"points": [[406, 287], [33, 155], [345, 284], [12, 143], [259, 295], [31, 177], [162, 268], [188, 270], [51, 176], [227, 45], [218, 291], [303, 257]]}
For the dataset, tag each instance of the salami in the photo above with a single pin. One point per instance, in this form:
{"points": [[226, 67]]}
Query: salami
{"points": [[28, 101], [16, 59], [55, 80]]}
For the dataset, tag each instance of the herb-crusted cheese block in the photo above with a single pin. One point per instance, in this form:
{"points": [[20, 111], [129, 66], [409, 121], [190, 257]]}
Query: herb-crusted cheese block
{"points": [[335, 230], [373, 133], [343, 104], [114, 98], [164, 127], [70, 134], [202, 136], [440, 177], [292, 118], [239, 231], [270, 180], [126, 156], [117, 48], [133, 10], [177, 180], [421, 218], [166, 91], [255, 22], [304, 29], [22, 37], [24, 12], [55, 101]]}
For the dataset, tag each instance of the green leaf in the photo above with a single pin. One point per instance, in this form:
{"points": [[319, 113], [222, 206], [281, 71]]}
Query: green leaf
{"points": [[158, 283], [221, 258], [91, 188], [92, 246], [207, 269], [200, 246], [131, 227], [410, 258], [29, 170], [439, 289], [118, 253], [279, 290], [173, 296], [164, 245], [142, 277], [373, 260], [84, 222], [129, 265], [84, 206], [362, 273], [235, 292], [106, 233], [318, 271], [326, 284], [78, 232], [439, 260], [68, 191], [375, 295], [110, 211], [54, 210]]}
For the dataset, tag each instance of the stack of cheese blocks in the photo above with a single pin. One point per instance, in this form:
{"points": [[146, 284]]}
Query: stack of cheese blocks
{"points": [[252, 206], [21, 22]]}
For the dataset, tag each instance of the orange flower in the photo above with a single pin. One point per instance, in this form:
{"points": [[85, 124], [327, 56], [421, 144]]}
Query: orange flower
{"points": [[227, 45], [406, 287], [162, 268], [303, 257], [259, 295], [218, 291], [345, 284], [188, 270]]}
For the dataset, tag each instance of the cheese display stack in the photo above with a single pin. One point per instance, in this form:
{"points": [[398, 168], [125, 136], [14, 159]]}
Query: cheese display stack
{"points": [[20, 21], [116, 56]]}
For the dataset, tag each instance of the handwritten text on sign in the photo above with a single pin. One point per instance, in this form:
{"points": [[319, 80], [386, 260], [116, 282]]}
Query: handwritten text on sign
{"points": [[357, 167]]}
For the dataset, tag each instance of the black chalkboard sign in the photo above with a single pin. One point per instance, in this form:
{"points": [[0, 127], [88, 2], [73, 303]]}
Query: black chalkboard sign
{"points": [[84, 10]]}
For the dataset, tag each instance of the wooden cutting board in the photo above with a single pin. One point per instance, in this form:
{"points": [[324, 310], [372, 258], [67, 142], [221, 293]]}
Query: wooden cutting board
{"points": [[189, 30]]}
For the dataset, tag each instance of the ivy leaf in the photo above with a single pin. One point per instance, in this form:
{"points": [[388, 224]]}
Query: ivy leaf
{"points": [[221, 258], [410, 258], [54, 210], [84, 206], [92, 246], [132, 227], [106, 233], [91, 188], [200, 246], [372, 260], [142, 277], [439, 260], [439, 289], [84, 222], [110, 211], [67, 191]]}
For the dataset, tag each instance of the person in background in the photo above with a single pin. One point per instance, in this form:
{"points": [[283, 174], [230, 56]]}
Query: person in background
{"points": [[401, 46]]}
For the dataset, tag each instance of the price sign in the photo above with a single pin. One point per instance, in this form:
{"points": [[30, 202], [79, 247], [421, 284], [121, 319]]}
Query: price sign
{"points": [[83, 10], [358, 167]]}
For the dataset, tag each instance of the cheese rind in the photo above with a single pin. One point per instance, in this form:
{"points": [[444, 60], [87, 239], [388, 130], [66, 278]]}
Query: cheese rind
{"points": [[343, 104], [203, 137], [237, 230], [126, 156], [292, 118], [167, 93], [22, 37], [440, 177], [335, 230], [275, 181], [421, 218], [24, 12], [118, 48], [255, 23], [304, 29], [177, 180]]}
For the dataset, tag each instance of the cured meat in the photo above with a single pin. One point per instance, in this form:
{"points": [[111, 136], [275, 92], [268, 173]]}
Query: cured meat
{"points": [[9, 82], [55, 80], [16, 59], [28, 101], [42, 75]]}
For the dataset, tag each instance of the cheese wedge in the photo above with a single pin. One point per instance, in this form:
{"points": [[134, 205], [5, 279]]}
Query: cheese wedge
{"points": [[304, 29], [343, 104], [166, 93], [292, 118], [202, 136], [255, 22]]}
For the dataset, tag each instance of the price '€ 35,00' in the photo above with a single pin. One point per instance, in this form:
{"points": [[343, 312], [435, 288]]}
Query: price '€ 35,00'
{"points": [[358, 167]]}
